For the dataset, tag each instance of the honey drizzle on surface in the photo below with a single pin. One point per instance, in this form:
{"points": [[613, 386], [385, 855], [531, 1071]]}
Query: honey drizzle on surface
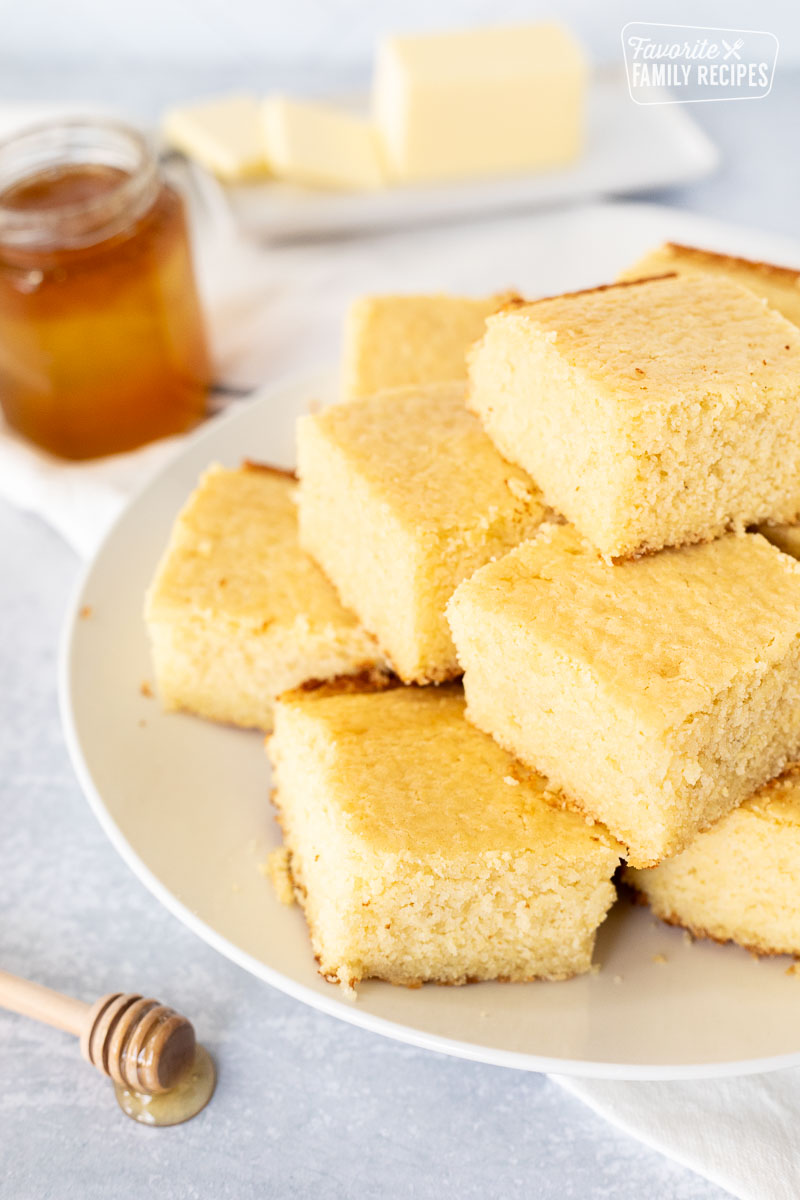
{"points": [[190, 1095]]}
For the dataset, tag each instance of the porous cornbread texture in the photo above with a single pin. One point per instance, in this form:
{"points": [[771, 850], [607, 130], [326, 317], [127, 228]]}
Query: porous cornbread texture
{"points": [[650, 414], [657, 694], [421, 851], [739, 880], [779, 286], [237, 612], [396, 341], [402, 496]]}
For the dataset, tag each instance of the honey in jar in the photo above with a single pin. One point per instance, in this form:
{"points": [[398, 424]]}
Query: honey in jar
{"points": [[102, 344]]}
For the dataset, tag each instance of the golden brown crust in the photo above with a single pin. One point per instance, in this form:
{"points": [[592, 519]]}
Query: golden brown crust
{"points": [[567, 803], [696, 931], [513, 300], [250, 464], [647, 551], [754, 264], [371, 679], [700, 540], [601, 287], [520, 302]]}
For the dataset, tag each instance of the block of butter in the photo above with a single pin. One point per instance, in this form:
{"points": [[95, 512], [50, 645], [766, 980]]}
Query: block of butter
{"points": [[224, 135], [321, 145], [479, 102]]}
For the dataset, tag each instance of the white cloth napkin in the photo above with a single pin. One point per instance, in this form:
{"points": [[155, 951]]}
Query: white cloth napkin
{"points": [[274, 311], [80, 500], [739, 1133]]}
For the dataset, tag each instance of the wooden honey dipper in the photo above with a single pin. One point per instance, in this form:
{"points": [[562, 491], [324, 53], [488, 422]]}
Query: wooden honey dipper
{"points": [[142, 1045]]}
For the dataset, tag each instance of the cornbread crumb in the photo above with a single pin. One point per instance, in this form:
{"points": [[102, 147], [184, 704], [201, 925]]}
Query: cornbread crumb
{"points": [[659, 959], [639, 415], [85, 612], [401, 497], [278, 870], [738, 880], [657, 694], [402, 341], [474, 880], [794, 969], [145, 688], [520, 488], [237, 611]]}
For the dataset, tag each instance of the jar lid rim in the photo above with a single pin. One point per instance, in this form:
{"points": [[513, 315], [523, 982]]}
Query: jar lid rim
{"points": [[141, 172]]}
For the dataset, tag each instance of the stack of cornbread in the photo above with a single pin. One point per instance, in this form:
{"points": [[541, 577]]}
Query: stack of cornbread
{"points": [[628, 636]]}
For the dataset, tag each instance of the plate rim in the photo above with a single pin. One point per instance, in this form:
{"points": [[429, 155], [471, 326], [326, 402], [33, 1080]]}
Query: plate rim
{"points": [[334, 1006]]}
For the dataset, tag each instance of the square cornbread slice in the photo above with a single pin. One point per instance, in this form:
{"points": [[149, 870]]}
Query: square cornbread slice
{"points": [[421, 851], [397, 341], [237, 612], [402, 496], [738, 881], [657, 694], [779, 286], [650, 414]]}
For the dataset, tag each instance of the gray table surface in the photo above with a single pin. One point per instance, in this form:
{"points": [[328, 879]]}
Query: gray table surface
{"points": [[306, 1106]]}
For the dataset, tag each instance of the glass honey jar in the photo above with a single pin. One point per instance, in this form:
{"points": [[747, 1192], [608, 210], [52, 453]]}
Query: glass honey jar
{"points": [[102, 344]]}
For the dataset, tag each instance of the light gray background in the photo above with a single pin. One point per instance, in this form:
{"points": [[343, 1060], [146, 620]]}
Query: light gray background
{"points": [[268, 32], [306, 1106]]}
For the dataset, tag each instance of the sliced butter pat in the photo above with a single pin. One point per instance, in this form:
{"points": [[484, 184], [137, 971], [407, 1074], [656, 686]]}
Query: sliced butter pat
{"points": [[479, 102], [320, 145], [224, 135]]}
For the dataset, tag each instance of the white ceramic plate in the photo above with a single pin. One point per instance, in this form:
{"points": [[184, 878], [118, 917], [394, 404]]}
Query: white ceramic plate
{"points": [[629, 148], [186, 802]]}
